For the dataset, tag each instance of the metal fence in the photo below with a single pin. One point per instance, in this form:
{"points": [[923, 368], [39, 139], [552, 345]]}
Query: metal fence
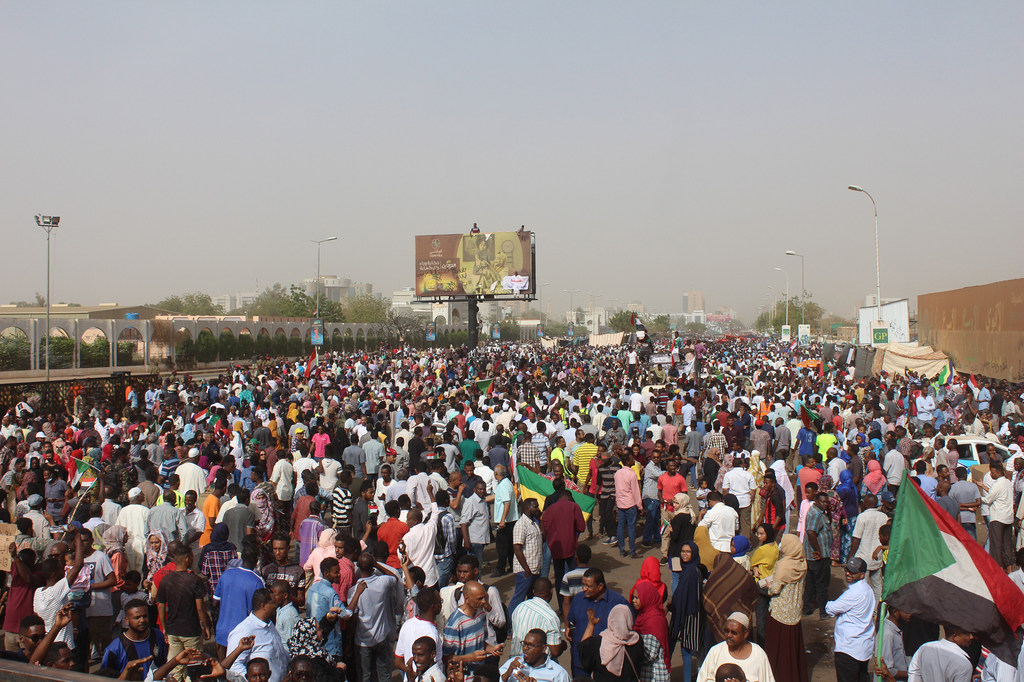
{"points": [[58, 395]]}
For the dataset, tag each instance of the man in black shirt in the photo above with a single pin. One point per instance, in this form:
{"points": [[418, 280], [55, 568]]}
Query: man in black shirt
{"points": [[361, 509], [179, 601], [416, 446], [283, 568]]}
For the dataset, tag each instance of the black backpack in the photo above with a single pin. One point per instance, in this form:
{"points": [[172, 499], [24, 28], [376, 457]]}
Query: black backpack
{"points": [[440, 541]]}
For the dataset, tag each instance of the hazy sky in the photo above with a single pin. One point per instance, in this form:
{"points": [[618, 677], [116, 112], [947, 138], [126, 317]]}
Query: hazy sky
{"points": [[654, 147]]}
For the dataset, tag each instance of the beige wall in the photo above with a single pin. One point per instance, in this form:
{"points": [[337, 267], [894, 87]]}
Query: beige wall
{"points": [[981, 328]]}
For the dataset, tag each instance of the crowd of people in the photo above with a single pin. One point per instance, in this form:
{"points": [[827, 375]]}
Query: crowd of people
{"points": [[364, 515]]}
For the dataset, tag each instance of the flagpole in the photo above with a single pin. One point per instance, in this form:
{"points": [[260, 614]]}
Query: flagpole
{"points": [[878, 643]]}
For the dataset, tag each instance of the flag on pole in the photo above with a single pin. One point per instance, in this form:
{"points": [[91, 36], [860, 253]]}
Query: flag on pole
{"points": [[485, 385], [311, 363], [972, 383], [537, 487], [938, 572], [200, 417], [945, 377], [806, 415], [82, 472]]}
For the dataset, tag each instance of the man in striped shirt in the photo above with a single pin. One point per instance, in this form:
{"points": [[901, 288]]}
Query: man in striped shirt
{"points": [[536, 613], [341, 504], [464, 638], [581, 459]]}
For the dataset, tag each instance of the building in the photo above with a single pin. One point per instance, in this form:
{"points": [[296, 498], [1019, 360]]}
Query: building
{"points": [[229, 302], [403, 302], [337, 289], [693, 301]]}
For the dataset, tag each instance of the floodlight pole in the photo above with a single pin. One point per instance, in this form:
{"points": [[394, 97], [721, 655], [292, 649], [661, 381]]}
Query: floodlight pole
{"points": [[48, 223], [878, 277], [318, 243]]}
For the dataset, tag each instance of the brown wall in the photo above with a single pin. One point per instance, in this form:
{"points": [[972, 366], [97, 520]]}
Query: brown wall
{"points": [[981, 328]]}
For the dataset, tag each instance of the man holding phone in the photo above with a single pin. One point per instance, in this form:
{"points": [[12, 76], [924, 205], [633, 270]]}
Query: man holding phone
{"points": [[534, 663]]}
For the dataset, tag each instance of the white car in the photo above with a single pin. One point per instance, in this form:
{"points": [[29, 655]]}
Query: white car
{"points": [[971, 447]]}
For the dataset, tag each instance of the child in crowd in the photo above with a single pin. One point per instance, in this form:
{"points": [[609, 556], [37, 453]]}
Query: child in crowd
{"points": [[702, 495], [131, 592]]}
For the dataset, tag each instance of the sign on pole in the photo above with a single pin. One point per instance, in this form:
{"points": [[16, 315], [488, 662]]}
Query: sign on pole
{"points": [[804, 334], [879, 336], [787, 333], [316, 333], [496, 331]]}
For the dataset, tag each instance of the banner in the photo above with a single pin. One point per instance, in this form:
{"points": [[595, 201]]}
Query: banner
{"points": [[485, 264], [804, 334]]}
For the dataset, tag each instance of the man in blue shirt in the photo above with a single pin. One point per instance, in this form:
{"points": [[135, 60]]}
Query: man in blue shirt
{"points": [[535, 663], [596, 596], [805, 439], [235, 591], [321, 598], [137, 641], [267, 644]]}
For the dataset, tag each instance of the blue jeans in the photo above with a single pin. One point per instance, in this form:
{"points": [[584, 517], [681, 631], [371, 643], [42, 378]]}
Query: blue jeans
{"points": [[444, 571], [627, 523], [652, 527], [545, 561], [972, 529], [477, 550], [522, 591]]}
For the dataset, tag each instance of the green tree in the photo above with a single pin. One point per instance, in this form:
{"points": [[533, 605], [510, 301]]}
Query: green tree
{"points": [[246, 347], [206, 347], [811, 312], [660, 323], [622, 321], [228, 346], [367, 308], [276, 301], [194, 303], [695, 327], [15, 352]]}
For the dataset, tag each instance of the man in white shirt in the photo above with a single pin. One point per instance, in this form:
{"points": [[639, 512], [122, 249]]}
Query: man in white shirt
{"points": [[865, 540], [740, 482], [945, 660], [419, 540], [428, 604], [854, 631], [999, 498], [720, 520], [191, 475], [894, 464]]}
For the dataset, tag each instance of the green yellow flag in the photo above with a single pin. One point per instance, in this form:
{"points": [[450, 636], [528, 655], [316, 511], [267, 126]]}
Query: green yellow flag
{"points": [[537, 487]]}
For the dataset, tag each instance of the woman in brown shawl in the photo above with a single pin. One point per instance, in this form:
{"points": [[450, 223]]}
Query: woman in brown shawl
{"points": [[729, 588]]}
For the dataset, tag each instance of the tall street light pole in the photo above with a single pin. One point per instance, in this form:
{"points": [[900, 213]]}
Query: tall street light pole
{"points": [[803, 289], [318, 243], [787, 293], [571, 292], [48, 223], [878, 277]]}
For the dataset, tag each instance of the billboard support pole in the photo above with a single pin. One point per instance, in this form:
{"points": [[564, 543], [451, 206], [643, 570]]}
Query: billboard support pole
{"points": [[474, 325]]}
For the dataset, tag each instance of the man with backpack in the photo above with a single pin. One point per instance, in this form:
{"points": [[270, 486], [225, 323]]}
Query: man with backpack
{"points": [[137, 641]]}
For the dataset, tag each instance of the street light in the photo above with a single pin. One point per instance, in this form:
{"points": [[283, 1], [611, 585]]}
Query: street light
{"points": [[878, 278], [318, 242], [787, 293], [540, 300], [571, 292], [48, 223], [803, 290]]}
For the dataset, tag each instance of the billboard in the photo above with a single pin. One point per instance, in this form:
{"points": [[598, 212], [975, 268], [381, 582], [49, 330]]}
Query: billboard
{"points": [[498, 264], [803, 333], [980, 327], [895, 314], [786, 333]]}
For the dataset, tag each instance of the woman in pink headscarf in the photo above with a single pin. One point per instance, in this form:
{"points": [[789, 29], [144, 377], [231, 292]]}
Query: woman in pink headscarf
{"points": [[874, 480], [617, 653], [323, 550]]}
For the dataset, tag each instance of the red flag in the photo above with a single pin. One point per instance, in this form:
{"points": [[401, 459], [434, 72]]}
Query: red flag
{"points": [[310, 363]]}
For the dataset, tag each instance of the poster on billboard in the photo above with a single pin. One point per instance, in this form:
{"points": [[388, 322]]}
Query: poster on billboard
{"points": [[496, 264], [496, 331], [787, 333], [895, 327], [803, 332]]}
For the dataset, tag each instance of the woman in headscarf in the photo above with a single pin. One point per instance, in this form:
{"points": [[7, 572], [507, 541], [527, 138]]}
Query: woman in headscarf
{"points": [[617, 653], [687, 626], [324, 550], [874, 480], [837, 514], [680, 531], [784, 638], [651, 622], [306, 641], [762, 563], [214, 557], [114, 538], [847, 492], [707, 551], [264, 514], [740, 547], [156, 552], [756, 469], [729, 588], [727, 458], [650, 572]]}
